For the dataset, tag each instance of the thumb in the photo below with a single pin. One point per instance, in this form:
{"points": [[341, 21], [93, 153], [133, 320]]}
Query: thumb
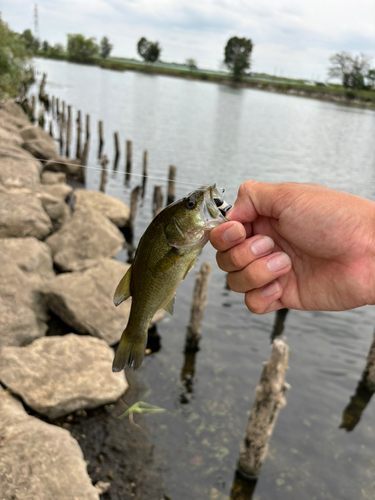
{"points": [[257, 198]]}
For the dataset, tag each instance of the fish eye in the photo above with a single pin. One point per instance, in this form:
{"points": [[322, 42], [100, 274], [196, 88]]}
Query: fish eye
{"points": [[190, 203], [218, 202]]}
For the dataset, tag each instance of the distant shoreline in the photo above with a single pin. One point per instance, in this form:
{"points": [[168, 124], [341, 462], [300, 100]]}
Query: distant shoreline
{"points": [[364, 99]]}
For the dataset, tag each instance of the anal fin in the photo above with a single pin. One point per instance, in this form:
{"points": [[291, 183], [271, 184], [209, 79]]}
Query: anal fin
{"points": [[122, 291]]}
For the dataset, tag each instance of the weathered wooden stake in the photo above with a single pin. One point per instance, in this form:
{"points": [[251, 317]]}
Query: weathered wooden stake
{"points": [[128, 166], [79, 130], [278, 326], [198, 306], [133, 211], [171, 187], [157, 203], [68, 132], [269, 399], [145, 154], [53, 106], [87, 127], [101, 141], [117, 149], [85, 154], [62, 115], [41, 120], [51, 128], [103, 180], [32, 116], [363, 393], [61, 137], [57, 108]]}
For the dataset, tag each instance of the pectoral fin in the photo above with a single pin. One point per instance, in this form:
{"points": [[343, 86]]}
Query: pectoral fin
{"points": [[190, 266], [169, 307], [123, 288]]}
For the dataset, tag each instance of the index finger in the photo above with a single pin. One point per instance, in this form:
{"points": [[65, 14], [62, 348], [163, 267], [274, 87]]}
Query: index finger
{"points": [[229, 234]]}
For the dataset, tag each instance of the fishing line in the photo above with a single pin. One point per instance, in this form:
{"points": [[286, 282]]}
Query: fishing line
{"points": [[98, 169]]}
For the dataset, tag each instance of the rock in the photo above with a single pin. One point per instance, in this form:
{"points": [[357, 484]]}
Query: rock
{"points": [[39, 143], [60, 191], [58, 375], [87, 236], [53, 177], [59, 211], [15, 110], [25, 265], [75, 297], [116, 210], [22, 214], [7, 115], [10, 135], [39, 461], [72, 168], [19, 169], [29, 254]]}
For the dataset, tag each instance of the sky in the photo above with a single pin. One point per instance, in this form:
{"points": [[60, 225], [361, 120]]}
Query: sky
{"points": [[293, 38]]}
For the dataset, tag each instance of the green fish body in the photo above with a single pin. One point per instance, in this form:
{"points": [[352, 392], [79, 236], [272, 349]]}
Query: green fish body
{"points": [[165, 254]]}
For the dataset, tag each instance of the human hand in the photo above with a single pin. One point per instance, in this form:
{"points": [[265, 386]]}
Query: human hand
{"points": [[300, 246]]}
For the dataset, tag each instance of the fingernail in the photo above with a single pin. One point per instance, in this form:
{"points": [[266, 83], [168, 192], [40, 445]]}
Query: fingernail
{"points": [[262, 245], [233, 233], [278, 262], [270, 289]]}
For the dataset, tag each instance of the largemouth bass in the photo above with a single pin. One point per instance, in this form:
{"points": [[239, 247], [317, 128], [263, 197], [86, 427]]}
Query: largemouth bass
{"points": [[165, 254]]}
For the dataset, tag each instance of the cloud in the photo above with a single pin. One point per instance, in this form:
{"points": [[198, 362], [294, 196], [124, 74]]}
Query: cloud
{"points": [[294, 36]]}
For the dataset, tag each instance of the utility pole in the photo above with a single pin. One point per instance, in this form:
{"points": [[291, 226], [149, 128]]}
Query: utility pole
{"points": [[36, 22]]}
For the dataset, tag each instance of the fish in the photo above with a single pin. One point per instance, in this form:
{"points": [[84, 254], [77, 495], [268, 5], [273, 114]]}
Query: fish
{"points": [[166, 252]]}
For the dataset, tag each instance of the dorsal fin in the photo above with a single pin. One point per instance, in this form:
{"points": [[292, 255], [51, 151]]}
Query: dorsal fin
{"points": [[123, 288]]}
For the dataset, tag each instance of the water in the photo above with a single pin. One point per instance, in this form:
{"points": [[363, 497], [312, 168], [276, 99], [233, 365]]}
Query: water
{"points": [[218, 134]]}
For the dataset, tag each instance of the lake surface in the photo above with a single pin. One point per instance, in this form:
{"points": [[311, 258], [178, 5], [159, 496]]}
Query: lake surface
{"points": [[213, 133]]}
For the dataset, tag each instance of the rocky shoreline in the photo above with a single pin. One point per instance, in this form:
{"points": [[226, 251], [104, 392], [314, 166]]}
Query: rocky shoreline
{"points": [[58, 261]]}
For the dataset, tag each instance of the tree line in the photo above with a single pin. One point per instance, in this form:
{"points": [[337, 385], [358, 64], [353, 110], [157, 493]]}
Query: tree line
{"points": [[353, 71]]}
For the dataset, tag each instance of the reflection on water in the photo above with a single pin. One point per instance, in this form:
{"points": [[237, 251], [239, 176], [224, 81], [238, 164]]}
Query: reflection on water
{"points": [[224, 135]]}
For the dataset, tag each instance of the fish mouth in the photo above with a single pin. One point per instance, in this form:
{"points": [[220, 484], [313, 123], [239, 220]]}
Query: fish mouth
{"points": [[214, 207]]}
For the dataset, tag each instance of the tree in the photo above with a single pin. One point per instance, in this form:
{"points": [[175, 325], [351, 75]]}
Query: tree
{"points": [[371, 77], [45, 46], [351, 70], [81, 49], [149, 51], [32, 44], [192, 63], [56, 50], [105, 47], [237, 55]]}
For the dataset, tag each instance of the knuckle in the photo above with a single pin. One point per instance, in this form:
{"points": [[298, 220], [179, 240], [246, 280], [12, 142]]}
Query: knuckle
{"points": [[253, 304], [220, 261]]}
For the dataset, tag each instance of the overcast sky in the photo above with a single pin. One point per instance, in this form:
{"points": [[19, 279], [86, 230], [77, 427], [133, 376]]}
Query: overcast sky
{"points": [[292, 38]]}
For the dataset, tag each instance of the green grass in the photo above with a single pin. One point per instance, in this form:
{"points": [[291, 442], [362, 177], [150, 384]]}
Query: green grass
{"points": [[334, 92]]}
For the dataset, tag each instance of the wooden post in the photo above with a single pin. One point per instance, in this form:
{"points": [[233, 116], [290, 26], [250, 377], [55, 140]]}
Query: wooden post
{"points": [[101, 141], [198, 306], [85, 154], [79, 129], [145, 155], [61, 138], [157, 204], [57, 108], [32, 117], [51, 128], [133, 212], [103, 180], [363, 393], [53, 106], [128, 166], [171, 188], [87, 127], [278, 326], [117, 154], [63, 112], [269, 399], [41, 120], [68, 132]]}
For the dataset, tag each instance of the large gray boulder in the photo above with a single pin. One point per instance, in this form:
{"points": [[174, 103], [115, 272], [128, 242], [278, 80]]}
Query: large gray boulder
{"points": [[9, 134], [53, 177], [25, 265], [11, 113], [39, 143], [116, 210], [58, 211], [84, 300], [71, 167], [56, 376], [39, 461], [58, 190], [87, 236], [22, 214], [19, 169]]}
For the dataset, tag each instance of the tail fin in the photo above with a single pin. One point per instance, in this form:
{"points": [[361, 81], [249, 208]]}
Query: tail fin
{"points": [[130, 351]]}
